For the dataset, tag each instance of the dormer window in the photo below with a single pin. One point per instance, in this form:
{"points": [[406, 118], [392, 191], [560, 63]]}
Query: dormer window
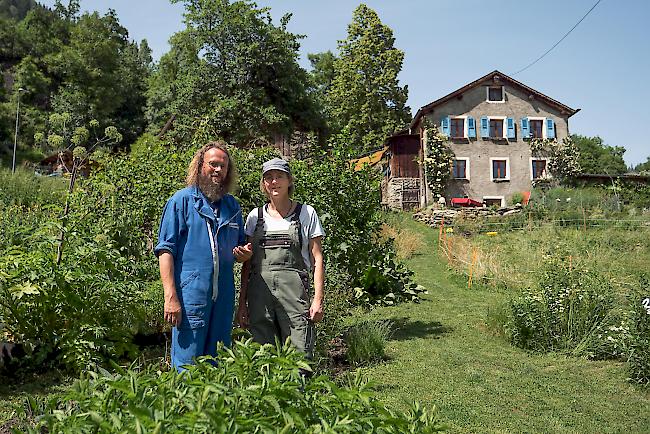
{"points": [[495, 94]]}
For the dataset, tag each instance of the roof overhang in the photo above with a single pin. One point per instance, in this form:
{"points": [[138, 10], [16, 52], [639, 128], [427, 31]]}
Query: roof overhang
{"points": [[492, 78]]}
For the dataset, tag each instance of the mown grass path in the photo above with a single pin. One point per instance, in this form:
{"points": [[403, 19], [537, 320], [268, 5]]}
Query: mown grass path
{"points": [[443, 354]]}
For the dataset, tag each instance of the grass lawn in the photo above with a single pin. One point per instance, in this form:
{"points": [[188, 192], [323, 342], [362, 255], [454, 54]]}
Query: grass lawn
{"points": [[443, 354]]}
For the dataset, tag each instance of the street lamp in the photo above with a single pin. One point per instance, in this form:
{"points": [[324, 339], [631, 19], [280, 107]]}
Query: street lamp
{"points": [[13, 164]]}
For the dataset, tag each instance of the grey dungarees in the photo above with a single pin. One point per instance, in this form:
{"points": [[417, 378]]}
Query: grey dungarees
{"points": [[278, 289]]}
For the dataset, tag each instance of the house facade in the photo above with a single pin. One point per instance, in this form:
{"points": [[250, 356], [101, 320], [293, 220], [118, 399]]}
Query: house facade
{"points": [[490, 123]]}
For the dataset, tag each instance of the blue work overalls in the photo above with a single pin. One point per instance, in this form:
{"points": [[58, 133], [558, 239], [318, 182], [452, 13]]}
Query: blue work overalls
{"points": [[207, 303]]}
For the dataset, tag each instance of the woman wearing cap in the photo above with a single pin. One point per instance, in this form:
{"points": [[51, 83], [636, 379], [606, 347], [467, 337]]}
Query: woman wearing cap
{"points": [[274, 301]]}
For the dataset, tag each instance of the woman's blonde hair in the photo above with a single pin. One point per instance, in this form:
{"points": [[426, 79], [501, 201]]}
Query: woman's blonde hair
{"points": [[291, 186], [194, 169]]}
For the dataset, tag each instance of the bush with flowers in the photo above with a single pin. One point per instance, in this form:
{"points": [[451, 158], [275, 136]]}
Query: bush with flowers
{"points": [[437, 161], [569, 309]]}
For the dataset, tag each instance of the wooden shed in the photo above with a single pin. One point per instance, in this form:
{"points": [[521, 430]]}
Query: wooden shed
{"points": [[405, 155], [402, 187]]}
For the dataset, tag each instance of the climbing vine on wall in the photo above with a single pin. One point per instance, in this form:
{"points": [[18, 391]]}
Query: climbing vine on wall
{"points": [[437, 162], [562, 157]]}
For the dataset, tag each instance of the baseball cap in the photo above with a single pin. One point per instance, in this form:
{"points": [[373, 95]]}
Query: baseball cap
{"points": [[276, 164]]}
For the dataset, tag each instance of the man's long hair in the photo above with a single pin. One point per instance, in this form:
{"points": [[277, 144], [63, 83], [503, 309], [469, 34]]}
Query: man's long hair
{"points": [[194, 169]]}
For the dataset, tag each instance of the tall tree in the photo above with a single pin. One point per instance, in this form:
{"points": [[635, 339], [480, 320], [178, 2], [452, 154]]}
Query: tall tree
{"points": [[322, 72], [365, 101], [235, 75], [84, 65], [16, 9], [597, 157]]}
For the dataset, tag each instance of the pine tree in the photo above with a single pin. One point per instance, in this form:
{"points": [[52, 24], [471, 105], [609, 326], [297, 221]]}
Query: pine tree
{"points": [[365, 102]]}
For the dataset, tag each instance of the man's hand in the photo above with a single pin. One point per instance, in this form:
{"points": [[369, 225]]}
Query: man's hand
{"points": [[243, 253], [316, 310], [173, 311], [242, 316]]}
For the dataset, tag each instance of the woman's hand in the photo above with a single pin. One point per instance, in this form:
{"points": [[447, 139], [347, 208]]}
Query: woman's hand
{"points": [[316, 310], [243, 253], [242, 316]]}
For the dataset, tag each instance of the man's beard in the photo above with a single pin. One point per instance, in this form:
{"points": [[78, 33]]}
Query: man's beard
{"points": [[212, 190]]}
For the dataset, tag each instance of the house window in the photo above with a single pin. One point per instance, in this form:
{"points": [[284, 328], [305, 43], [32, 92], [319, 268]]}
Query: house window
{"points": [[536, 129], [500, 169], [539, 169], [457, 127], [495, 94], [496, 128], [493, 200], [460, 168]]}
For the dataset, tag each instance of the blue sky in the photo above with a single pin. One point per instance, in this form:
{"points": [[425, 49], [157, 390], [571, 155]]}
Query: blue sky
{"points": [[601, 67]]}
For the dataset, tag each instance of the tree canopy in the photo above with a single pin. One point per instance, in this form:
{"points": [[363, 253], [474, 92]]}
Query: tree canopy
{"points": [[84, 65], [597, 157], [16, 9], [365, 102], [233, 74]]}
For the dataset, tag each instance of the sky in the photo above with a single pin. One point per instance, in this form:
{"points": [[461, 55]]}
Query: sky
{"points": [[601, 67]]}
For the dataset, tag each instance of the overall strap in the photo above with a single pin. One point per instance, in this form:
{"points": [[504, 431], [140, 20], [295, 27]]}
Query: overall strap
{"points": [[296, 218], [260, 217]]}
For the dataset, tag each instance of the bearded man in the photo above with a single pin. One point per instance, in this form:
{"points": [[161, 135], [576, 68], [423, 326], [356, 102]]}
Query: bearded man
{"points": [[201, 235]]}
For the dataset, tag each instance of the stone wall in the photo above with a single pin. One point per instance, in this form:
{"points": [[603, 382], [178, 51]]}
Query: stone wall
{"points": [[433, 217], [403, 193]]}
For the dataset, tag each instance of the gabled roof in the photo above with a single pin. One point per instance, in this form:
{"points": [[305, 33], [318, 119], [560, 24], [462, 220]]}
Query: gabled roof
{"points": [[492, 77]]}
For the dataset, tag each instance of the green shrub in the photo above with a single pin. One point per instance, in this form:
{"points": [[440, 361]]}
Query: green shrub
{"points": [[639, 351], [564, 311], [23, 188], [249, 388], [366, 341], [77, 314], [516, 198]]}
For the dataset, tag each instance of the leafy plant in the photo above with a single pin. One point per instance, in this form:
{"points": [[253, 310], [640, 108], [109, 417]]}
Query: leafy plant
{"points": [[516, 198], [249, 388], [366, 341], [639, 351], [75, 314], [564, 311]]}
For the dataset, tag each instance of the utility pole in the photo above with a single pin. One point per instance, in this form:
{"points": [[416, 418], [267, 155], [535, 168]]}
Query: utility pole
{"points": [[13, 164]]}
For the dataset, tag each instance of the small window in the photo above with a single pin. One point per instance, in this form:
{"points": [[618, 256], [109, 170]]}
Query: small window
{"points": [[495, 94], [496, 128], [457, 127], [539, 169], [459, 169], [536, 129], [492, 201], [499, 169]]}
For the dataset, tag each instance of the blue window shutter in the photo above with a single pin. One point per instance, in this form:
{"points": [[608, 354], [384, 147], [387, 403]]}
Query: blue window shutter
{"points": [[471, 128], [444, 125], [511, 128], [485, 127], [550, 129], [525, 128]]}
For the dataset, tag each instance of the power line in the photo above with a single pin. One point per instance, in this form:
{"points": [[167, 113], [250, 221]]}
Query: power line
{"points": [[558, 42]]}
